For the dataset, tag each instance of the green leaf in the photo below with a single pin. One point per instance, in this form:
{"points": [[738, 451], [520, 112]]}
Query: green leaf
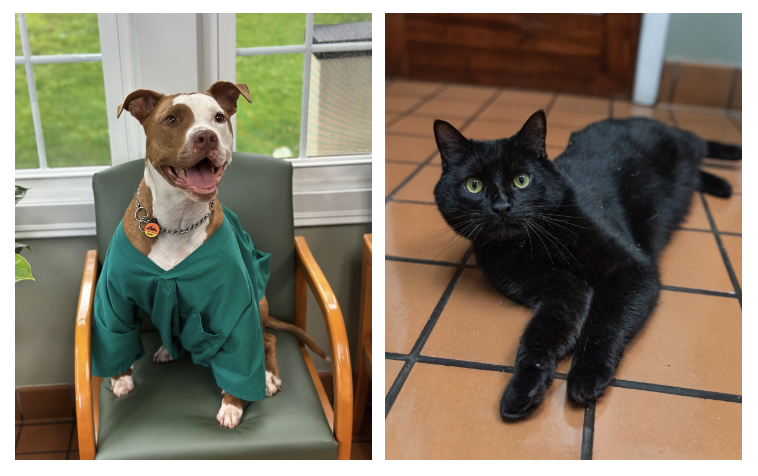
{"points": [[21, 246], [20, 192], [23, 270]]}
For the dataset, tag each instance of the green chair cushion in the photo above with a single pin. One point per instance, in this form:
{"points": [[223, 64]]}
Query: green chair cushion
{"points": [[171, 414]]}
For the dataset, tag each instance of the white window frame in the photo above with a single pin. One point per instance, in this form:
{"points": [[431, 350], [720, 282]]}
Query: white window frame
{"points": [[200, 49]]}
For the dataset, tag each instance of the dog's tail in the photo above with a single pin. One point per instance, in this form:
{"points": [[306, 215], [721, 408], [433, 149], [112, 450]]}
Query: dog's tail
{"points": [[299, 334]]}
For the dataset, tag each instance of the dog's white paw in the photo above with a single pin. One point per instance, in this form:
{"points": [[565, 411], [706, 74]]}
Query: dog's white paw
{"points": [[273, 384], [122, 386], [229, 415], [162, 355]]}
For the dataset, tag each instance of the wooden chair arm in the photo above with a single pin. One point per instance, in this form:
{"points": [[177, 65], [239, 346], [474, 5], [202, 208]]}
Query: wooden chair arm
{"points": [[85, 416], [309, 271]]}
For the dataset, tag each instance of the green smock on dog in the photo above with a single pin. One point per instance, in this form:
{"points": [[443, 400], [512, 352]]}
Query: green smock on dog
{"points": [[206, 305]]}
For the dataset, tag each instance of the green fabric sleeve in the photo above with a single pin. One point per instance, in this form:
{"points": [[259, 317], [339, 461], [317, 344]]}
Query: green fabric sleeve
{"points": [[115, 326]]}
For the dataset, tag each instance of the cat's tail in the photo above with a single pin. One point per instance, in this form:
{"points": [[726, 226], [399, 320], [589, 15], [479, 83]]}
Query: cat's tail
{"points": [[717, 150], [714, 185]]}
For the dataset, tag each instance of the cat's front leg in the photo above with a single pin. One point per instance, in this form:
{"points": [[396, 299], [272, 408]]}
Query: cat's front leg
{"points": [[619, 308], [562, 303]]}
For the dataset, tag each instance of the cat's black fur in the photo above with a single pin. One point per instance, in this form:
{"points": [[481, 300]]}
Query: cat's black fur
{"points": [[579, 244]]}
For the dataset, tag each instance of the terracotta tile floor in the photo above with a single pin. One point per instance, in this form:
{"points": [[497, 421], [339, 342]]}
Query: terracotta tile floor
{"points": [[451, 340]]}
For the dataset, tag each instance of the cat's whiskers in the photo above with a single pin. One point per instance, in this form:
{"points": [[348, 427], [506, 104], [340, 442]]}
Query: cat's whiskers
{"points": [[553, 239], [531, 250], [537, 216], [529, 223], [557, 218]]}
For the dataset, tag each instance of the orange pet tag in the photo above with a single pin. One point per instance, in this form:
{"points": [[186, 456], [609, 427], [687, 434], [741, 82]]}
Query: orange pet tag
{"points": [[152, 230]]}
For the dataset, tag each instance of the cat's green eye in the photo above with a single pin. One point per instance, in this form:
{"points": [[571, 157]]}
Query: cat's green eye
{"points": [[474, 185], [521, 180]]}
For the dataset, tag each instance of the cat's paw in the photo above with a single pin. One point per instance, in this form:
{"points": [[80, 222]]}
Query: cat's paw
{"points": [[525, 392], [587, 383]]}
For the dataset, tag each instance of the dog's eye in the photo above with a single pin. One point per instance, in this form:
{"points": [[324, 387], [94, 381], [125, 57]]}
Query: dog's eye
{"points": [[170, 120], [220, 118]]}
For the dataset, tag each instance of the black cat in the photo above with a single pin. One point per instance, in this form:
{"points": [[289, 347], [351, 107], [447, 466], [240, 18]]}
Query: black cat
{"points": [[577, 239]]}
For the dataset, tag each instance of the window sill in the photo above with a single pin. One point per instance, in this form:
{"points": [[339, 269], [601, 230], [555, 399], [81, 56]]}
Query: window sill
{"points": [[326, 191]]}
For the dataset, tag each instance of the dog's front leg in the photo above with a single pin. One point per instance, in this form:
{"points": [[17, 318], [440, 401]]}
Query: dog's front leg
{"points": [[122, 383], [230, 413]]}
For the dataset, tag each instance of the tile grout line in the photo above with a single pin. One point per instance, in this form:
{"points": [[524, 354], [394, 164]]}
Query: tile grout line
{"points": [[471, 119], [403, 259], [588, 432], [415, 202], [704, 231], [417, 135], [724, 255], [610, 108], [424, 99], [680, 289], [703, 292], [402, 376], [628, 384], [551, 103], [429, 97], [401, 162], [674, 81]]}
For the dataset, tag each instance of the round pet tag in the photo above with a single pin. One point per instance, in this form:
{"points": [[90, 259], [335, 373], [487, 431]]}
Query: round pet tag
{"points": [[152, 230]]}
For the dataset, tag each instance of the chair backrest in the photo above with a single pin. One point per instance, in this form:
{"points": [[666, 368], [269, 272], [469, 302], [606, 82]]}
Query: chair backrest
{"points": [[257, 188]]}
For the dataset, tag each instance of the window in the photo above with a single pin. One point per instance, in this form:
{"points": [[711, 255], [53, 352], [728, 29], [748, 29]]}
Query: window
{"points": [[310, 81], [65, 132], [60, 98]]}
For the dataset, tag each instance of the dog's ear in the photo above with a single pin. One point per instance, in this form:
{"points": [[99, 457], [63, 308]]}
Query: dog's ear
{"points": [[226, 94], [140, 103]]}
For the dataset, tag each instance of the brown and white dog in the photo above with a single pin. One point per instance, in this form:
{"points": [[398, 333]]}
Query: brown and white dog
{"points": [[189, 145]]}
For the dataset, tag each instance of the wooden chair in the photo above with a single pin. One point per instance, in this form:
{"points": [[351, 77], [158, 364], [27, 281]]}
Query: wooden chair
{"points": [[364, 334], [171, 412]]}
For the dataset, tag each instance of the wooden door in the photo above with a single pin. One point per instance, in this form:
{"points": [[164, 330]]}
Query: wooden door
{"points": [[591, 54]]}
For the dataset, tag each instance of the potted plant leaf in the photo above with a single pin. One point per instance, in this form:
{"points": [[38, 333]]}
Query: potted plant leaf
{"points": [[23, 270]]}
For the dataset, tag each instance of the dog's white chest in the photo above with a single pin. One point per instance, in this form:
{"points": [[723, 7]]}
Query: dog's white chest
{"points": [[170, 250]]}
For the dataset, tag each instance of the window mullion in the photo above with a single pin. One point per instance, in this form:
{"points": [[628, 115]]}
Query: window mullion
{"points": [[32, 91], [306, 84]]}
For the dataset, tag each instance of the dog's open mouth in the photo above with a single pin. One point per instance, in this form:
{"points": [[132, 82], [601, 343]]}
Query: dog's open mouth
{"points": [[201, 179]]}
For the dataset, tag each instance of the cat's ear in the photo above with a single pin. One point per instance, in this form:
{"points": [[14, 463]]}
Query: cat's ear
{"points": [[531, 137], [450, 142]]}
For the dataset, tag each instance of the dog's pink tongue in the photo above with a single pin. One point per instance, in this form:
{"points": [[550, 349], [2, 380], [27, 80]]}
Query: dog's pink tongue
{"points": [[201, 175]]}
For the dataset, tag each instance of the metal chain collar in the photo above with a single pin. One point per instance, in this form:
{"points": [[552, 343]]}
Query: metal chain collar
{"points": [[145, 220]]}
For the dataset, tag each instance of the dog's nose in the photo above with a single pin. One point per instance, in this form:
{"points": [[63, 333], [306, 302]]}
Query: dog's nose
{"points": [[206, 139]]}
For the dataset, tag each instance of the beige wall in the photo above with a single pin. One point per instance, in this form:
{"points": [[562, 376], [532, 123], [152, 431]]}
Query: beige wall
{"points": [[45, 308]]}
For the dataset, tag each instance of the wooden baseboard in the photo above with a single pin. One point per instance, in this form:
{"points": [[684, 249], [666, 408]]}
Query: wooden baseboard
{"points": [[701, 85]]}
